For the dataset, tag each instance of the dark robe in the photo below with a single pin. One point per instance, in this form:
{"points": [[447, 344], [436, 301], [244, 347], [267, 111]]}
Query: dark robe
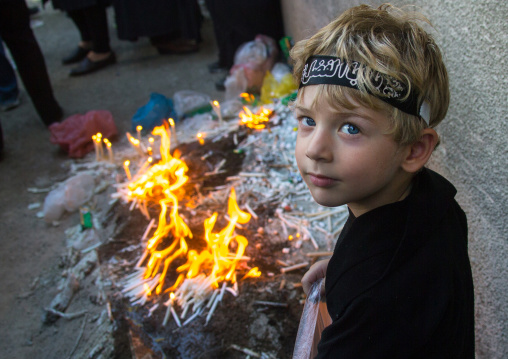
{"points": [[173, 19], [399, 283], [73, 5]]}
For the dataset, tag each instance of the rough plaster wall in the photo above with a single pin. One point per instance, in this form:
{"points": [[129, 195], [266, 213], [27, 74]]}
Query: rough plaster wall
{"points": [[473, 36]]}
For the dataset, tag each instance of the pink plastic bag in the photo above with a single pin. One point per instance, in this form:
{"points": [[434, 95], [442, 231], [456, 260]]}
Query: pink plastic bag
{"points": [[314, 319], [74, 134], [256, 58]]}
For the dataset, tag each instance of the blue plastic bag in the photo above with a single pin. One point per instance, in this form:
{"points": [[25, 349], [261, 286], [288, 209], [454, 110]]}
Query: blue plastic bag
{"points": [[158, 108]]}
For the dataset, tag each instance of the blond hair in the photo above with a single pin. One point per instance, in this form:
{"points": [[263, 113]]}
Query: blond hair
{"points": [[388, 40]]}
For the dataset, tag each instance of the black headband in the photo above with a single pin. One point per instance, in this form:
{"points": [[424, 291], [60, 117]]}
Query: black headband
{"points": [[333, 70]]}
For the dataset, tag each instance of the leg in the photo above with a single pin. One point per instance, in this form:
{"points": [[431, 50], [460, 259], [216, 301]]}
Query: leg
{"points": [[9, 92], [79, 19], [85, 45], [101, 54], [97, 25], [18, 36], [215, 9]]}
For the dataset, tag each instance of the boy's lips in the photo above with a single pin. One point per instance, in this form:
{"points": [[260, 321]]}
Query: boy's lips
{"points": [[320, 180]]}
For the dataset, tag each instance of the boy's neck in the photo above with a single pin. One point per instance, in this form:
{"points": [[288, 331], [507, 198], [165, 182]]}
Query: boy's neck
{"points": [[399, 193]]}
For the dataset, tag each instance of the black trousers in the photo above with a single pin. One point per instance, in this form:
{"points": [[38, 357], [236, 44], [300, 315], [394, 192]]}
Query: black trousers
{"points": [[92, 23], [18, 36], [236, 22]]}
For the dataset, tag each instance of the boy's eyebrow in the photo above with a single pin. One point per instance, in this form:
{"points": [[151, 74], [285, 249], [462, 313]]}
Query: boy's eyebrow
{"points": [[301, 108], [342, 114]]}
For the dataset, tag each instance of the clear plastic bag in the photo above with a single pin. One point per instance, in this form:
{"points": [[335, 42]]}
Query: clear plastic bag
{"points": [[314, 320], [187, 102]]}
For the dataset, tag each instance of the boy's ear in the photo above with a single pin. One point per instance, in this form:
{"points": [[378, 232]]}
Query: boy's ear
{"points": [[420, 151]]}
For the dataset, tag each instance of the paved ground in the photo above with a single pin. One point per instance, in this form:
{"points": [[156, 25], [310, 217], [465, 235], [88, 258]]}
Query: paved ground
{"points": [[29, 248]]}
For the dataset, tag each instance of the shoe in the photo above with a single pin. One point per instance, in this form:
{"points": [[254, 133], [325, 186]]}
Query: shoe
{"points": [[10, 105], [76, 56], [88, 66], [215, 68]]}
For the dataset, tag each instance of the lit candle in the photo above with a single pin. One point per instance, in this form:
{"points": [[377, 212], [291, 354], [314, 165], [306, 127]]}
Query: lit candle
{"points": [[138, 130], [94, 139], [127, 170], [99, 145], [216, 109], [135, 143], [147, 162], [173, 129], [200, 138], [110, 150]]}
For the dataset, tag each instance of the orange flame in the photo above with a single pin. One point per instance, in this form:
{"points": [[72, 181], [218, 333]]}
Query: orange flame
{"points": [[256, 121], [247, 97], [253, 273], [217, 257], [158, 183]]}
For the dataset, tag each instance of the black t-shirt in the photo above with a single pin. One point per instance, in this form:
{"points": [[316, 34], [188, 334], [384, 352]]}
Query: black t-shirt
{"points": [[399, 283]]}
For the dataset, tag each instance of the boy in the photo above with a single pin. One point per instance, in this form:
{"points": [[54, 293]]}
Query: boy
{"points": [[372, 88]]}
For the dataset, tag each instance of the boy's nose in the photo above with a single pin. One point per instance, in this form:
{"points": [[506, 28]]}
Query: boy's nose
{"points": [[320, 147]]}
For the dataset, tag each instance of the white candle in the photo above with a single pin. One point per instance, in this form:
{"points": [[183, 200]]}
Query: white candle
{"points": [[135, 143], [216, 109], [94, 139], [147, 162], [110, 150], [127, 170], [173, 129], [138, 130], [99, 145]]}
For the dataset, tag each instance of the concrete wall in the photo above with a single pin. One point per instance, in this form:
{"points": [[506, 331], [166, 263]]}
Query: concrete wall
{"points": [[473, 36]]}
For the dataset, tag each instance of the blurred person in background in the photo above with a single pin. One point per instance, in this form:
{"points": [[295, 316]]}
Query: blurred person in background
{"points": [[173, 26], [93, 51], [19, 38], [9, 91]]}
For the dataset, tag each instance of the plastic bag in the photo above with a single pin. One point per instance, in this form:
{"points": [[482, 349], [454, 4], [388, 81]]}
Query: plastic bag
{"points": [[74, 134], [158, 108], [54, 205], [68, 196], [256, 58], [231, 108], [235, 83], [189, 103], [314, 319], [277, 83], [78, 190]]}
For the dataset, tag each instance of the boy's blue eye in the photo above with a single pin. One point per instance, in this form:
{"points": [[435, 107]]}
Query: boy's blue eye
{"points": [[307, 121], [350, 129]]}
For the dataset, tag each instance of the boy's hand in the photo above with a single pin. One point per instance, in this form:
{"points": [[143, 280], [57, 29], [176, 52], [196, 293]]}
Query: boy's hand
{"points": [[315, 272]]}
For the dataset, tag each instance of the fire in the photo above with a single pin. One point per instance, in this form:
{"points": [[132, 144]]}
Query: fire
{"points": [[201, 138], [256, 121], [217, 258], [253, 273], [247, 97], [162, 183]]}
